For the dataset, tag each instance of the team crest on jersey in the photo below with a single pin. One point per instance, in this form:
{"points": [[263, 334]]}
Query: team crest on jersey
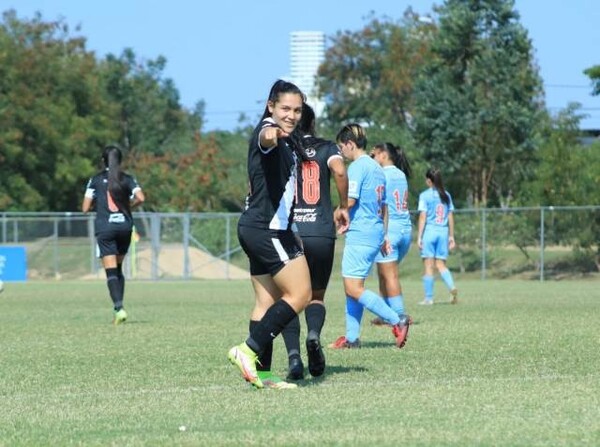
{"points": [[310, 152]]}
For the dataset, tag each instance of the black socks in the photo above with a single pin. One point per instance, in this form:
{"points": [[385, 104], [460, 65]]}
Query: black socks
{"points": [[291, 337], [315, 318], [271, 325], [266, 356], [114, 287]]}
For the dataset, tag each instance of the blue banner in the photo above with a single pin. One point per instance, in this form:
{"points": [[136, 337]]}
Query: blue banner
{"points": [[13, 264]]}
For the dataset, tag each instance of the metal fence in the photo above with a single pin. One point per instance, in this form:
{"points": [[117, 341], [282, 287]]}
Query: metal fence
{"points": [[542, 241]]}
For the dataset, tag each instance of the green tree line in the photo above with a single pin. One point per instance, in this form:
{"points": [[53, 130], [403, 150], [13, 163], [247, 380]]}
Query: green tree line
{"points": [[459, 89]]}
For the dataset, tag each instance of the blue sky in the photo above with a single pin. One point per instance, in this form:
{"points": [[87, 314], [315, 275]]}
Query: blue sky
{"points": [[229, 52]]}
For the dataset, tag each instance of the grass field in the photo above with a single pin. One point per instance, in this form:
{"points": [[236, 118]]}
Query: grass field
{"points": [[516, 363]]}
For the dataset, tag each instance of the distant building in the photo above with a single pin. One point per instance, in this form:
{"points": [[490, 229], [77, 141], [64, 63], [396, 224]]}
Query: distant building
{"points": [[307, 52]]}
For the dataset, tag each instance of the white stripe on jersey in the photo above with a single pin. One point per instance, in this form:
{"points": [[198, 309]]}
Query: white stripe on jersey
{"points": [[332, 157], [282, 216], [283, 256]]}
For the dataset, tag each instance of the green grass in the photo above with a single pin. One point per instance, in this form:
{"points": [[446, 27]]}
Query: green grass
{"points": [[515, 363]]}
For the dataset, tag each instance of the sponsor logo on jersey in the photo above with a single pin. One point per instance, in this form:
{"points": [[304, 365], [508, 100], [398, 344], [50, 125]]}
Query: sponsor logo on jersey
{"points": [[116, 218]]}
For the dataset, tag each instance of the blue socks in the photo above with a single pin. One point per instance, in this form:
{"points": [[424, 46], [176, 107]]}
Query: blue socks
{"points": [[428, 287], [388, 310], [354, 313], [396, 303], [448, 280], [375, 304]]}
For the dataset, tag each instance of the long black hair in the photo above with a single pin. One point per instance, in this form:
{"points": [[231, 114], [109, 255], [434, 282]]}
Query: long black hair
{"points": [[306, 125], [398, 156], [117, 184], [435, 176]]}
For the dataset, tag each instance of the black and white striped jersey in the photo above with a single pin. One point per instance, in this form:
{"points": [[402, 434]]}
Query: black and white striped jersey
{"points": [[272, 174]]}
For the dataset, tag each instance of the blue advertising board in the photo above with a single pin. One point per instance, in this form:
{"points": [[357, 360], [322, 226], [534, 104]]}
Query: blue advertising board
{"points": [[13, 263]]}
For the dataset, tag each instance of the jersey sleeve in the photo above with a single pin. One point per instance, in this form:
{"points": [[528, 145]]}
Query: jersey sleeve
{"points": [[134, 186], [90, 189], [422, 203], [266, 123], [333, 151], [355, 179]]}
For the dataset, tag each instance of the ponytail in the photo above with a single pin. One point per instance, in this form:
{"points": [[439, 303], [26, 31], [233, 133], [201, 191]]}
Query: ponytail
{"points": [[435, 176], [398, 157], [117, 185]]}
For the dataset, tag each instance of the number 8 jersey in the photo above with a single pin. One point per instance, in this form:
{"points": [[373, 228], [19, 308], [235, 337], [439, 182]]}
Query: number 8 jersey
{"points": [[314, 211]]}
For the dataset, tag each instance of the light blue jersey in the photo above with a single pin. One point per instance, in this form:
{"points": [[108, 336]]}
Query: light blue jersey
{"points": [[435, 235], [396, 191], [437, 211], [399, 232], [366, 184]]}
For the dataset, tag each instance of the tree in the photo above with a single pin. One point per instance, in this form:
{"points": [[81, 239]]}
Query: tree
{"points": [[183, 182], [368, 74], [478, 101], [150, 118], [594, 74], [565, 169], [54, 115], [563, 178]]}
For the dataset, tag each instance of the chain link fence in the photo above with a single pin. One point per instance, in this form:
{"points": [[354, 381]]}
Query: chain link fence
{"points": [[542, 242]]}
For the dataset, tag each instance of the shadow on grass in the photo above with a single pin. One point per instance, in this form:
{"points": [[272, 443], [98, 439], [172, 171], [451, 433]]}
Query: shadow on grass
{"points": [[330, 371]]}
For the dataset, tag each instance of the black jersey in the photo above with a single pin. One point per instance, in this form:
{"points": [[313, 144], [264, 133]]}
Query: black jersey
{"points": [[272, 176], [108, 215], [314, 211]]}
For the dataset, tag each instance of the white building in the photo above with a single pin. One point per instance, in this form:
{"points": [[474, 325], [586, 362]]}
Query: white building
{"points": [[307, 52]]}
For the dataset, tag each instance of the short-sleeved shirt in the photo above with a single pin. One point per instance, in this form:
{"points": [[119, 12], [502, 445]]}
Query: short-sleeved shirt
{"points": [[366, 184], [108, 215], [314, 212], [396, 191], [436, 210], [272, 174]]}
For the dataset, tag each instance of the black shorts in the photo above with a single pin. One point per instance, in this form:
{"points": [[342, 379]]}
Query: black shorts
{"points": [[268, 250], [113, 242], [319, 252]]}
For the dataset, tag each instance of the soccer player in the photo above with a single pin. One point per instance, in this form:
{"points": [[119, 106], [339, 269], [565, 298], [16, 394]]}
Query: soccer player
{"points": [[364, 239], [396, 168], [278, 268], [316, 222], [113, 193], [436, 234]]}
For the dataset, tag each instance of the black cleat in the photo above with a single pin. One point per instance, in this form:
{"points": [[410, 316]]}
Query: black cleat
{"points": [[316, 358], [296, 369]]}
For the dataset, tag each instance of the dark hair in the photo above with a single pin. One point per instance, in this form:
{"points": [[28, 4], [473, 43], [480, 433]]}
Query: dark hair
{"points": [[352, 132], [435, 176], [306, 125], [117, 185], [398, 157], [279, 88]]}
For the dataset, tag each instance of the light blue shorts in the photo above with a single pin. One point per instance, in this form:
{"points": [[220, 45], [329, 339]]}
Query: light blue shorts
{"points": [[399, 243], [435, 245], [358, 260]]}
